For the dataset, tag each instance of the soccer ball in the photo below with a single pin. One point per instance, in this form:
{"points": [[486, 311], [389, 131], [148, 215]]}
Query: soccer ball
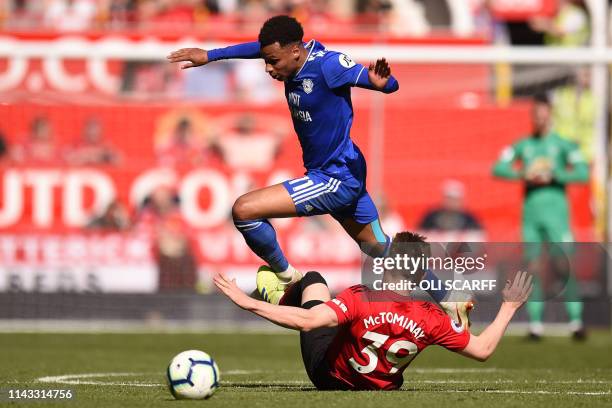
{"points": [[192, 374]]}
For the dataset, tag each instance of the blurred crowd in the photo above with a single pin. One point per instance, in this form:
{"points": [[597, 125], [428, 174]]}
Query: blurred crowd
{"points": [[245, 146], [246, 81], [399, 17], [39, 146]]}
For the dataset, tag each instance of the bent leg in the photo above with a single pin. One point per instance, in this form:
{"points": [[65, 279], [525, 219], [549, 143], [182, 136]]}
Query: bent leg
{"points": [[374, 242], [268, 202], [370, 237], [250, 213], [311, 288], [315, 343]]}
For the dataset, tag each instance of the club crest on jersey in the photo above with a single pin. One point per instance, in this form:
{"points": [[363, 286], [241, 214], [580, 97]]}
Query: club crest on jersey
{"points": [[308, 85], [346, 61]]}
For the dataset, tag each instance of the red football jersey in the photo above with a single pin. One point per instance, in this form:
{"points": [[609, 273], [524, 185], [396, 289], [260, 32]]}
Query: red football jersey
{"points": [[381, 333]]}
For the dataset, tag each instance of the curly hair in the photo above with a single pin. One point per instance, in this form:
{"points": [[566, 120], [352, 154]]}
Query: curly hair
{"points": [[412, 245], [281, 29], [409, 243]]}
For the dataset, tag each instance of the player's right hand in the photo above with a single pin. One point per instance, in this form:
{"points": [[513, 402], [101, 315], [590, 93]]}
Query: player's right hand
{"points": [[539, 179], [517, 292], [539, 172], [230, 289], [195, 56]]}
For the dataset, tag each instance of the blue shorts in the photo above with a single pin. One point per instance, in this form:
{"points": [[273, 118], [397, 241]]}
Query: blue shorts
{"points": [[343, 197]]}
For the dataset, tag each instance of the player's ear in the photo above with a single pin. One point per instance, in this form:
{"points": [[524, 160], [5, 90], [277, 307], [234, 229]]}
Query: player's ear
{"points": [[295, 51]]}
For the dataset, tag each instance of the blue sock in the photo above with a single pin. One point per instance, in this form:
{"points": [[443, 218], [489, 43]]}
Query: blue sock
{"points": [[384, 242], [261, 238], [435, 283]]}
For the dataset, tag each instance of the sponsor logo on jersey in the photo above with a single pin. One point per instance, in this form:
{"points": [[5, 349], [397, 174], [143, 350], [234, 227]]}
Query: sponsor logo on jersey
{"points": [[346, 61], [308, 85], [553, 150], [293, 98], [308, 207], [304, 116], [456, 326]]}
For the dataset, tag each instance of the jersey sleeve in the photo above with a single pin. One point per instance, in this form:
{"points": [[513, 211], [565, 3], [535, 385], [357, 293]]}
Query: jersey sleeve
{"points": [[340, 70], [579, 169], [448, 334], [504, 165], [248, 50], [345, 304]]}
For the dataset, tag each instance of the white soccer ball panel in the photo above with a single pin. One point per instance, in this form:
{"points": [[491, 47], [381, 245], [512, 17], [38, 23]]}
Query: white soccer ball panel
{"points": [[203, 376]]}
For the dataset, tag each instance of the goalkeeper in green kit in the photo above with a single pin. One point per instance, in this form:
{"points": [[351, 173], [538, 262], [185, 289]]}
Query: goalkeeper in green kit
{"points": [[547, 164]]}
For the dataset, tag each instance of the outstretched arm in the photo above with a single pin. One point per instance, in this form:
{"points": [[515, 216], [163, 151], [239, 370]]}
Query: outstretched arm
{"points": [[339, 71], [196, 57], [379, 78], [289, 317], [482, 346]]}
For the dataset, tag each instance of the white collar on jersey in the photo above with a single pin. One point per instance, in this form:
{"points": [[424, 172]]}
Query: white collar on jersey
{"points": [[310, 44]]}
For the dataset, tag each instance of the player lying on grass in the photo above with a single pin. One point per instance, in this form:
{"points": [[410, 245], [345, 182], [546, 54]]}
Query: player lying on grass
{"points": [[318, 91], [364, 339]]}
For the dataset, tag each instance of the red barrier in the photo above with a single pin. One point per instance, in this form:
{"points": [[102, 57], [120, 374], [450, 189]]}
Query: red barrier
{"points": [[423, 147]]}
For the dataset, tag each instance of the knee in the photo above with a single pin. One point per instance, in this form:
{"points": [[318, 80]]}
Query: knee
{"points": [[311, 278], [242, 210]]}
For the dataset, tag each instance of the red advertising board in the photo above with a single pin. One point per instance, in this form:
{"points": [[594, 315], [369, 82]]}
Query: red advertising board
{"points": [[435, 130]]}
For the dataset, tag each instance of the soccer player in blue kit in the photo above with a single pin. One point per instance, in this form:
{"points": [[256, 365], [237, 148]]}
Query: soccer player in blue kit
{"points": [[318, 90]]}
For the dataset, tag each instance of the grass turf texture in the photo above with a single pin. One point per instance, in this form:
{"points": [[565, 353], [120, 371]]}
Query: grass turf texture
{"points": [[265, 370]]}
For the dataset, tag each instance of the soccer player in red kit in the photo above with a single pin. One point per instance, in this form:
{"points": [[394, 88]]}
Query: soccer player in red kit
{"points": [[364, 339]]}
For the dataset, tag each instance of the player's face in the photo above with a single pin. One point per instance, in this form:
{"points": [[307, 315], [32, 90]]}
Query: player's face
{"points": [[541, 118], [281, 62]]}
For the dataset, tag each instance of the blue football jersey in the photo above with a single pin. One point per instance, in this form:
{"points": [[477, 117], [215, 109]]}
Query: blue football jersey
{"points": [[319, 98]]}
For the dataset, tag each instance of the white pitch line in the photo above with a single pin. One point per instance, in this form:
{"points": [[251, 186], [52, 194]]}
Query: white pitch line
{"points": [[545, 392], [246, 372], [262, 382], [456, 370], [504, 381], [68, 377], [77, 379], [535, 392], [85, 379], [113, 384]]}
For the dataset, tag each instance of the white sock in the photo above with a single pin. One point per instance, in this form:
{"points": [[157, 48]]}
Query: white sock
{"points": [[287, 274], [575, 325], [536, 328]]}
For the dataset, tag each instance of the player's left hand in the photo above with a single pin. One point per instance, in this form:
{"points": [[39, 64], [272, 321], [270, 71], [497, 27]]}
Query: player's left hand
{"points": [[379, 73], [539, 178], [516, 292], [231, 290]]}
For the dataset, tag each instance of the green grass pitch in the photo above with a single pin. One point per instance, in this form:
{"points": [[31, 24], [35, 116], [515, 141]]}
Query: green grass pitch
{"points": [[265, 370]]}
